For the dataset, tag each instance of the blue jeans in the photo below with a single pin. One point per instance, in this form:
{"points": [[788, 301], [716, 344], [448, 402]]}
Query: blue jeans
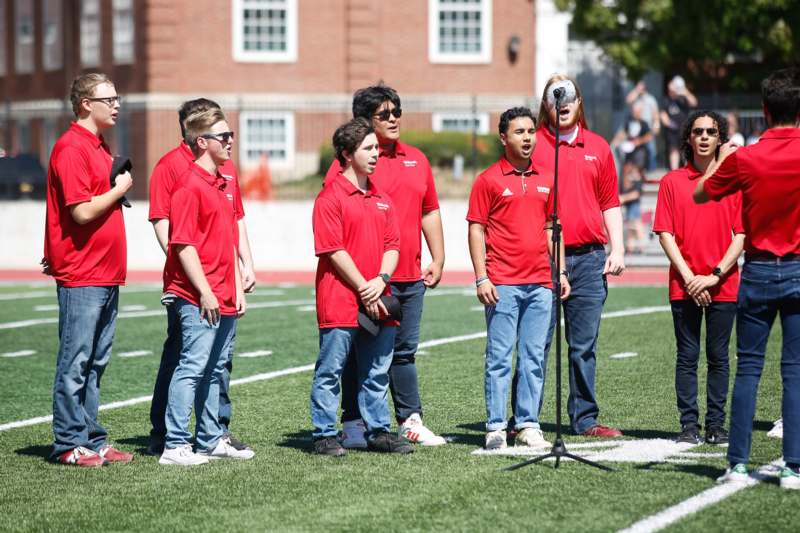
{"points": [[403, 382], [373, 357], [87, 319], [170, 355], [196, 380], [687, 318], [766, 289], [522, 318], [582, 312]]}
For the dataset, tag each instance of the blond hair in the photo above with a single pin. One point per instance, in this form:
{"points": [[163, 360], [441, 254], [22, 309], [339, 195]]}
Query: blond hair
{"points": [[200, 123], [83, 86], [544, 116]]}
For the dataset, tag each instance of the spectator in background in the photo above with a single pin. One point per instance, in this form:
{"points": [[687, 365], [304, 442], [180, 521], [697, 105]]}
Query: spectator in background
{"points": [[733, 129], [677, 104], [631, 140], [640, 95], [630, 197]]}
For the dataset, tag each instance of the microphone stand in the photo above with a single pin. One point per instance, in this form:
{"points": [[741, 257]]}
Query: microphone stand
{"points": [[559, 449]]}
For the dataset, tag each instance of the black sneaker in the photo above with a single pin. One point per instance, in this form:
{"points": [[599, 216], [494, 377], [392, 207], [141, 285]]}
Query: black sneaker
{"points": [[155, 446], [717, 435], [329, 446], [386, 442], [689, 433], [235, 443]]}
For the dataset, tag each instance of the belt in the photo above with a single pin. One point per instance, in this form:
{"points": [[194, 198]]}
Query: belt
{"points": [[583, 249], [766, 257]]}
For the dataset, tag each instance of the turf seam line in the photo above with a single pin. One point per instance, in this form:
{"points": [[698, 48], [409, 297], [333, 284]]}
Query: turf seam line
{"points": [[305, 368]]}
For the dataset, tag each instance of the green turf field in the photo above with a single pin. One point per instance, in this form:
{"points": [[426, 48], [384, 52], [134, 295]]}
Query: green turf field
{"points": [[447, 488]]}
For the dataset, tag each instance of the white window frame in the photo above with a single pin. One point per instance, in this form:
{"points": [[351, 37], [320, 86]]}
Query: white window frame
{"points": [[3, 26], [435, 7], [85, 43], [124, 50], [52, 52], [482, 118], [244, 146], [24, 46], [249, 56]]}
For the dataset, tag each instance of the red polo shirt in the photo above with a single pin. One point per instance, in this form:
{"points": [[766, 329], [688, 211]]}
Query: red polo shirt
{"points": [[514, 208], [93, 254], [703, 233], [172, 166], [406, 176], [587, 183], [202, 215], [768, 175], [362, 224]]}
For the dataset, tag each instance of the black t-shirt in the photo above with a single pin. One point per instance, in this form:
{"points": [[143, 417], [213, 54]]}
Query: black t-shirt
{"points": [[636, 129], [677, 109]]}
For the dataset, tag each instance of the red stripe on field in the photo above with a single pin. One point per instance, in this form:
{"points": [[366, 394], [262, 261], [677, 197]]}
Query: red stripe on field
{"points": [[632, 276]]}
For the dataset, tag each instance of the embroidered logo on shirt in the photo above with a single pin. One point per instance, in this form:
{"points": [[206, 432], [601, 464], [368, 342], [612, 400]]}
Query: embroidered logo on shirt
{"points": [[230, 197], [543, 189], [507, 192], [226, 176], [382, 206], [590, 157], [409, 163]]}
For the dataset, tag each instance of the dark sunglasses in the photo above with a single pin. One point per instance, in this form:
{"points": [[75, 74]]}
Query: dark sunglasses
{"points": [[108, 100], [712, 132], [384, 115], [223, 137]]}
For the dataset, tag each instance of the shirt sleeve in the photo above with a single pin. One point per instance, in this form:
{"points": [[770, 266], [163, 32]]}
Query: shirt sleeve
{"points": [[162, 181], [663, 220], [480, 201], [333, 171], [607, 187], [326, 221], [75, 176], [430, 202], [725, 180], [391, 232], [238, 205], [184, 217], [736, 206]]}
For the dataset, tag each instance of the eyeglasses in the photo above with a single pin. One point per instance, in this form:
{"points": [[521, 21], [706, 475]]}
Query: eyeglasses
{"points": [[223, 137], [108, 100], [383, 116], [712, 132]]}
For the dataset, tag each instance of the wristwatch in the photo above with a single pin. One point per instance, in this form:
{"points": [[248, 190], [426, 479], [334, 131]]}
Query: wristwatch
{"points": [[385, 277], [717, 272]]}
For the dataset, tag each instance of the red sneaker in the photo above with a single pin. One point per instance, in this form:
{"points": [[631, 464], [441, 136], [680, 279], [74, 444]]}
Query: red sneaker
{"points": [[81, 456], [113, 455], [602, 432]]}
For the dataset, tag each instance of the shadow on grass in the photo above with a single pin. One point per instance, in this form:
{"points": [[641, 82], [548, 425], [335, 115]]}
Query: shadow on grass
{"points": [[36, 451], [700, 470], [762, 425], [140, 441], [298, 440], [648, 434]]}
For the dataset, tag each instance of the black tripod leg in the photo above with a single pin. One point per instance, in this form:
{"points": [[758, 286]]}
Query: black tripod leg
{"points": [[588, 462], [529, 462]]}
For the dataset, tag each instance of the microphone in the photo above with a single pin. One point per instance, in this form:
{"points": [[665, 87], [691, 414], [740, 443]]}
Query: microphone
{"points": [[563, 92]]}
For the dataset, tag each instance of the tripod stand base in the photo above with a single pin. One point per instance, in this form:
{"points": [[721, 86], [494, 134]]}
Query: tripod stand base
{"points": [[558, 451]]}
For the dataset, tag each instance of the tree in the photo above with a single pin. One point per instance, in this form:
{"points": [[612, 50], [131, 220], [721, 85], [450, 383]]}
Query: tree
{"points": [[723, 44]]}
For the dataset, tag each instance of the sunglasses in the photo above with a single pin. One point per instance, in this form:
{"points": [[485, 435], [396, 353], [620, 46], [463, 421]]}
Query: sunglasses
{"points": [[383, 116], [712, 132], [223, 137], [108, 100]]}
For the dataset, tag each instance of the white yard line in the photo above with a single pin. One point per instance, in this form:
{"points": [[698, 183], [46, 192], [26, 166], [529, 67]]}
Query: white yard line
{"points": [[20, 353], [623, 355], [257, 353], [305, 368], [708, 497], [26, 295], [135, 353]]}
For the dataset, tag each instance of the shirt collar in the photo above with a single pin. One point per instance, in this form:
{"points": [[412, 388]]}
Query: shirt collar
{"points": [[507, 168], [96, 140], [186, 152], [691, 171], [351, 189], [215, 180], [551, 138], [781, 133], [397, 149]]}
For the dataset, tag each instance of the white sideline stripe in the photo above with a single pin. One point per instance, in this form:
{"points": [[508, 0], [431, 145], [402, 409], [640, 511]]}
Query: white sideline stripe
{"points": [[623, 355], [20, 353], [257, 353], [708, 497], [306, 308], [46, 307], [135, 307], [26, 295], [142, 314], [135, 353], [297, 369]]}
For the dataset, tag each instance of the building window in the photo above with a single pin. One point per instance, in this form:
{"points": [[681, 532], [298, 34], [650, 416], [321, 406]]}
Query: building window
{"points": [[90, 33], [49, 132], [23, 57], [270, 134], [3, 39], [122, 30], [52, 45], [464, 122], [265, 30], [23, 137], [460, 31]]}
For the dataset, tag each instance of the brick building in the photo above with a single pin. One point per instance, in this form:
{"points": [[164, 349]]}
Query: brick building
{"points": [[283, 70]]}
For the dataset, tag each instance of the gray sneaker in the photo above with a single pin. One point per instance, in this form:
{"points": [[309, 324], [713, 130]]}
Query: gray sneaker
{"points": [[386, 442]]}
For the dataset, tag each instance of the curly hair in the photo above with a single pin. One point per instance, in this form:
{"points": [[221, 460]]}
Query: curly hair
{"points": [[686, 132]]}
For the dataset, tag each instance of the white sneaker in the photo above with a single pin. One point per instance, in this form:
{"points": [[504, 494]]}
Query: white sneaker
{"points": [[496, 440], [415, 431], [225, 450], [736, 474], [777, 430], [532, 438], [352, 435], [182, 455], [789, 479]]}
